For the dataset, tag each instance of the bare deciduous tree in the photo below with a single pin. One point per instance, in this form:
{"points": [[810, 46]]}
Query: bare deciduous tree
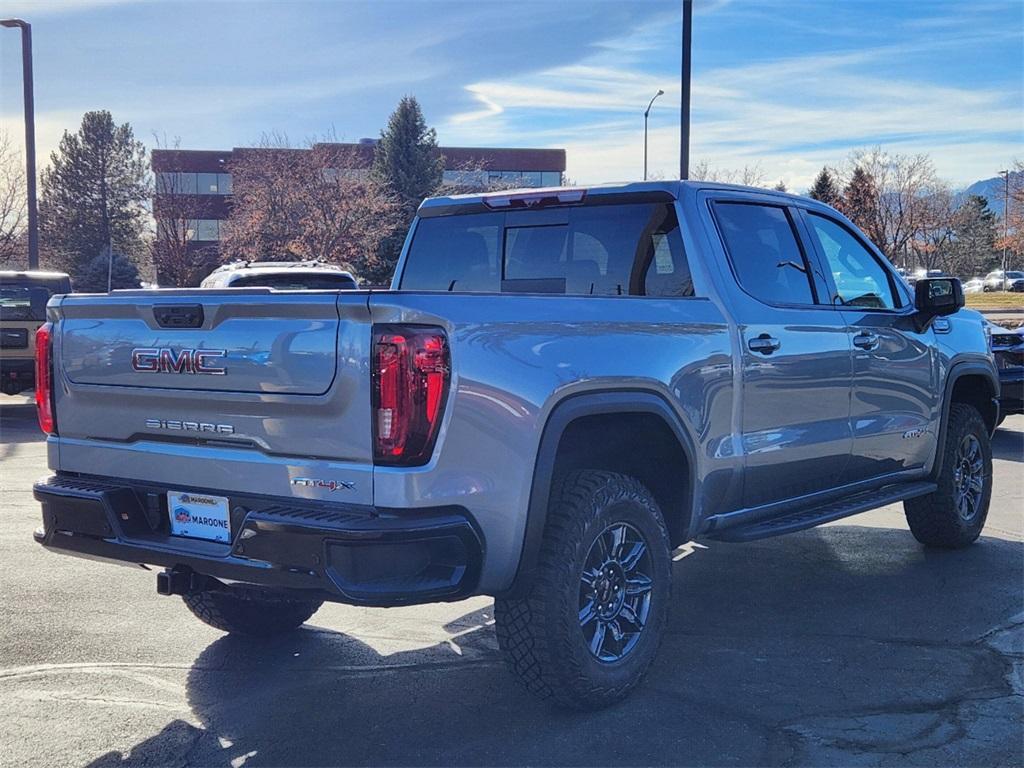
{"points": [[176, 259], [749, 175], [1011, 230], [930, 243], [13, 206], [318, 202], [901, 184]]}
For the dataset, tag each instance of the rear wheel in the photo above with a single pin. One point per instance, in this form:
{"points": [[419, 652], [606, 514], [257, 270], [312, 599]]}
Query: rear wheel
{"points": [[250, 610], [591, 624], [954, 515]]}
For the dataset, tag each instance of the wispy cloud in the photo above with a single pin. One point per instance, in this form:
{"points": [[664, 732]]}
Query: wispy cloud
{"points": [[790, 114], [36, 8]]}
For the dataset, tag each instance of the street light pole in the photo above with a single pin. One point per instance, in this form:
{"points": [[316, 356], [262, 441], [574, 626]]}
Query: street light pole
{"points": [[1006, 218], [684, 108], [30, 137], [646, 113]]}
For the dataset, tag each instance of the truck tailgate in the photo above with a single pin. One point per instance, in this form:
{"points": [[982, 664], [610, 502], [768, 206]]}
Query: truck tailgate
{"points": [[268, 377]]}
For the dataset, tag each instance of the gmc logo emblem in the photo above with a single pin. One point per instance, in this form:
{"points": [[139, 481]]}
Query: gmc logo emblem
{"points": [[165, 360]]}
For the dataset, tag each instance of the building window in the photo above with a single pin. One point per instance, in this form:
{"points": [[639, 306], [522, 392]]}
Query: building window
{"points": [[203, 230], [551, 179], [180, 183]]}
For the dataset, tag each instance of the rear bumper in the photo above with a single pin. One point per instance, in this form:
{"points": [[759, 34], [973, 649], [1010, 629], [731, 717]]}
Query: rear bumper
{"points": [[342, 553], [18, 370]]}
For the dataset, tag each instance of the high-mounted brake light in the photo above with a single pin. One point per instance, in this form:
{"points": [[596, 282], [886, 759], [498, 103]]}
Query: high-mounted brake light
{"points": [[44, 378], [536, 199], [411, 374]]}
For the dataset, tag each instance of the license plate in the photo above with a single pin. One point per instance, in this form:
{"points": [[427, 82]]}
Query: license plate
{"points": [[199, 516]]}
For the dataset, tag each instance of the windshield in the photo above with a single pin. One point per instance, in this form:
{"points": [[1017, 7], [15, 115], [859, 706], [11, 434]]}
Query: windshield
{"points": [[296, 281], [18, 302]]}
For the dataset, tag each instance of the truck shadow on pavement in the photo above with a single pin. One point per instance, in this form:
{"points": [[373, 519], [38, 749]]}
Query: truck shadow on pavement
{"points": [[844, 644], [1008, 444]]}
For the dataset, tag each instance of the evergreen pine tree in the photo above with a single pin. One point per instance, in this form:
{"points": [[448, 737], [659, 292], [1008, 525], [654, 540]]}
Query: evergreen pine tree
{"points": [[860, 203], [974, 237], [407, 159], [93, 194], [92, 277], [825, 188], [408, 164], [780, 187]]}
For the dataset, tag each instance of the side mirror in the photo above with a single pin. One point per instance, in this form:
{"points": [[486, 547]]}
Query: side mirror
{"points": [[937, 297]]}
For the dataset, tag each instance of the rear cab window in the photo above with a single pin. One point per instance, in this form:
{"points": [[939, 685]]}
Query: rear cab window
{"points": [[295, 281], [630, 249], [23, 302]]}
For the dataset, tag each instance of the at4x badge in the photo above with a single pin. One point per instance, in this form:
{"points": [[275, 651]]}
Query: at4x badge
{"points": [[329, 485]]}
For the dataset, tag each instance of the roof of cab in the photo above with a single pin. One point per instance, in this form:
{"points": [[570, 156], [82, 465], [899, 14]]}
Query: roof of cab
{"points": [[637, 191]]}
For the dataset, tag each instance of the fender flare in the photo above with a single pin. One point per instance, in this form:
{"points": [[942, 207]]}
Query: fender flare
{"points": [[957, 371], [564, 413]]}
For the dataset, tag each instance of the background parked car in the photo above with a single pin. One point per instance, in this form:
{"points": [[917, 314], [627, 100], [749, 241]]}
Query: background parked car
{"points": [[23, 297], [282, 275], [1010, 281], [1008, 347], [974, 285]]}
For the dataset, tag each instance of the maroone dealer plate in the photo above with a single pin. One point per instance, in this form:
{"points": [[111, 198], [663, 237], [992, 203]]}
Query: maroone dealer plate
{"points": [[199, 516]]}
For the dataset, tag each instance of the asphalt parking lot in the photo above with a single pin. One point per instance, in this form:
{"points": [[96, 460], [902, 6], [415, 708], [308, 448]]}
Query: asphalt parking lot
{"points": [[844, 645]]}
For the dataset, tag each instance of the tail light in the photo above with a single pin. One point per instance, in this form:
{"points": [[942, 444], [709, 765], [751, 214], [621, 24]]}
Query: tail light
{"points": [[410, 377], [44, 378]]}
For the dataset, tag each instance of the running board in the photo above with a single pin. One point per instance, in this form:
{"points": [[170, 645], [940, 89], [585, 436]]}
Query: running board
{"points": [[836, 510]]}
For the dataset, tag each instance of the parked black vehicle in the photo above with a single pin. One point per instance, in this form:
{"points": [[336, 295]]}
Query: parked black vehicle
{"points": [[1008, 347], [23, 297]]}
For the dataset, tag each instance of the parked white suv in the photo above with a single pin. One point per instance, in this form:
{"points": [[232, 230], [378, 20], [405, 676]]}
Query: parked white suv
{"points": [[1004, 281], [282, 275]]}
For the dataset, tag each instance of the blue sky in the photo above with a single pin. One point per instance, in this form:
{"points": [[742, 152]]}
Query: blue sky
{"points": [[786, 85]]}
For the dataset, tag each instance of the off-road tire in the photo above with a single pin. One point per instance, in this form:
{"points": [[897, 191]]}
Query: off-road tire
{"points": [[935, 519], [540, 633], [249, 610]]}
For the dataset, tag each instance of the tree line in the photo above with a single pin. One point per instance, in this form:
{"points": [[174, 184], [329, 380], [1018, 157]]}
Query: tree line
{"points": [[322, 201], [917, 220], [101, 207]]}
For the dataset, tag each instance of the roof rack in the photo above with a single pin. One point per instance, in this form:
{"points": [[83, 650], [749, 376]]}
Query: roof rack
{"points": [[310, 264]]}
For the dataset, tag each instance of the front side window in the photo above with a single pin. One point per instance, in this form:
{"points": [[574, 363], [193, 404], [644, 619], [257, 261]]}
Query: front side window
{"points": [[861, 281], [764, 252]]}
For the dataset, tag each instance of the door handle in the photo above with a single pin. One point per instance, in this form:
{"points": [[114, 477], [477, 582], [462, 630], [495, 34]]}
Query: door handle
{"points": [[764, 344], [865, 340]]}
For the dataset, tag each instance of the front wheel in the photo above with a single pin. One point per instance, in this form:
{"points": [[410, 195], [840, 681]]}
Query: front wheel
{"points": [[592, 622], [955, 513], [250, 611]]}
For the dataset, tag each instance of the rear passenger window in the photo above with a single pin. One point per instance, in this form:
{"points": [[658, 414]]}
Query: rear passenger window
{"points": [[456, 253], [764, 252]]}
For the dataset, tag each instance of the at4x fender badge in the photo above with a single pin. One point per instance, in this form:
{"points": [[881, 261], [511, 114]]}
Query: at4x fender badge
{"points": [[328, 485]]}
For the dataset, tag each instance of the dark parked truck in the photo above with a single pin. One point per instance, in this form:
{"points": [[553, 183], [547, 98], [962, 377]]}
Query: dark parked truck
{"points": [[560, 387]]}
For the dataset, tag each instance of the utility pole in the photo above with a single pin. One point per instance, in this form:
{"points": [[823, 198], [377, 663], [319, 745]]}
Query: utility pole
{"points": [[1006, 218], [684, 110], [30, 137]]}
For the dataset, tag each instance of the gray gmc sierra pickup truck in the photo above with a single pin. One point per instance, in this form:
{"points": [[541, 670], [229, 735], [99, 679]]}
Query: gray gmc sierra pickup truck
{"points": [[560, 387]]}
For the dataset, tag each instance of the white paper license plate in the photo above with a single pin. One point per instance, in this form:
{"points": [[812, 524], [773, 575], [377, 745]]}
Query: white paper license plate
{"points": [[199, 516]]}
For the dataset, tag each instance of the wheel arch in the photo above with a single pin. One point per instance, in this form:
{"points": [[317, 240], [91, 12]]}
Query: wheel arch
{"points": [[976, 383], [565, 444]]}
